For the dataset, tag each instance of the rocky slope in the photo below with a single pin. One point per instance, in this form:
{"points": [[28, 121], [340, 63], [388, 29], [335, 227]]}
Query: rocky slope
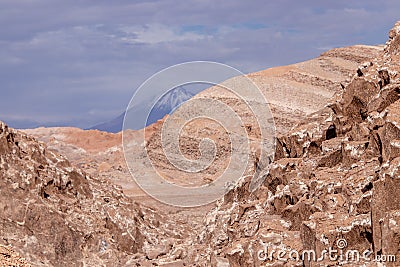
{"points": [[293, 91], [317, 190], [334, 184], [297, 90], [54, 214]]}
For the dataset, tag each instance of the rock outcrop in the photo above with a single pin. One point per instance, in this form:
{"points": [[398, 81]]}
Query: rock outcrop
{"points": [[55, 214], [334, 184]]}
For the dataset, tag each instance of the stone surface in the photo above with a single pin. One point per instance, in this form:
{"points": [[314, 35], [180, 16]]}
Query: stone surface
{"points": [[8, 257]]}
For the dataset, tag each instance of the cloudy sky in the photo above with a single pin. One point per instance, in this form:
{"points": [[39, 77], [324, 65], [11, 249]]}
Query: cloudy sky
{"points": [[79, 62]]}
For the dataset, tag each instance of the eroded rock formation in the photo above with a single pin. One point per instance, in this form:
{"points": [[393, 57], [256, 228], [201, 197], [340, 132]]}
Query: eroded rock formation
{"points": [[334, 183], [56, 215]]}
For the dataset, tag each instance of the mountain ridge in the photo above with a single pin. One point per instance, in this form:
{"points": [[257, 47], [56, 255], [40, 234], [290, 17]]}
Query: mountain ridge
{"points": [[165, 105]]}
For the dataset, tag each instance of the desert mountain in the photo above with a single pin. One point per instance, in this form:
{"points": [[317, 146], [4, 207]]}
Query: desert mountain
{"points": [[293, 91], [329, 178], [292, 99], [169, 102], [100, 153]]}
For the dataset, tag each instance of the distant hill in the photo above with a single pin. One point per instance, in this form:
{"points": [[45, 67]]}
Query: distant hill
{"points": [[112, 126], [167, 104]]}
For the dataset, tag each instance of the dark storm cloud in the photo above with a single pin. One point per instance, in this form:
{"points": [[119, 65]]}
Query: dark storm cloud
{"points": [[78, 62]]}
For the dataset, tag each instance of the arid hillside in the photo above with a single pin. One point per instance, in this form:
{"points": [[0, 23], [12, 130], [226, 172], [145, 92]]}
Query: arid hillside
{"points": [[293, 92], [55, 214], [333, 177]]}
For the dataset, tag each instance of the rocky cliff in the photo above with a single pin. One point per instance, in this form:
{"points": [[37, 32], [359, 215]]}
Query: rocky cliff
{"points": [[55, 214], [334, 184]]}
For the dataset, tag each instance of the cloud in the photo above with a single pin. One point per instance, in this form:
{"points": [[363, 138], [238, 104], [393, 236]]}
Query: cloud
{"points": [[156, 33]]}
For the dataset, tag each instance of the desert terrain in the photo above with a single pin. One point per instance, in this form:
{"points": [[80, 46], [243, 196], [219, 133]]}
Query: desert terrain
{"points": [[68, 198]]}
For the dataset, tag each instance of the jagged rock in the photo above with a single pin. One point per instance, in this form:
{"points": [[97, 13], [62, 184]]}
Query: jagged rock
{"points": [[55, 214], [387, 96], [331, 152], [362, 205], [353, 151], [299, 212], [394, 40], [335, 176], [336, 231], [390, 227], [385, 193], [357, 96], [307, 137], [390, 134]]}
